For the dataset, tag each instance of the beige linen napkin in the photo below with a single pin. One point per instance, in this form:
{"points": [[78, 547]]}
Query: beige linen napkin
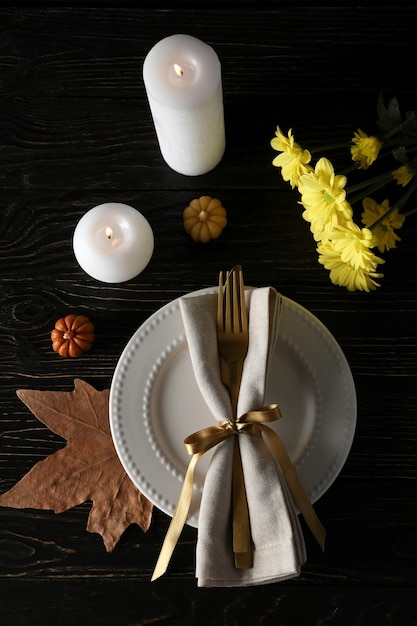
{"points": [[278, 543]]}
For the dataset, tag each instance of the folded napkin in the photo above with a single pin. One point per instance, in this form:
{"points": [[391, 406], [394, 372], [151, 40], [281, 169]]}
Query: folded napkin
{"points": [[278, 543]]}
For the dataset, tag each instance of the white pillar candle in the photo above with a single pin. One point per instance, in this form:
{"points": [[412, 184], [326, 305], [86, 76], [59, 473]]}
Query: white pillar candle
{"points": [[113, 242], [182, 77]]}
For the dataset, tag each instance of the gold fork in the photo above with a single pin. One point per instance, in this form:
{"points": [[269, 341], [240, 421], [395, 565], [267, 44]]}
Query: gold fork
{"points": [[233, 341], [232, 331]]}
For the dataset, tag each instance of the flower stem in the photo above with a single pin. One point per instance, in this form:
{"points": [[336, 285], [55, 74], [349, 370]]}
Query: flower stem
{"points": [[370, 186], [330, 146], [410, 212], [397, 206], [397, 129]]}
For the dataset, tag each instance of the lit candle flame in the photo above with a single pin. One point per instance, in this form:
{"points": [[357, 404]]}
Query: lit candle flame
{"points": [[109, 232], [178, 70]]}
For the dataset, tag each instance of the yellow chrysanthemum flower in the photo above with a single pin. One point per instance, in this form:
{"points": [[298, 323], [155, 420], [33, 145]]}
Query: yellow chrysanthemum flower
{"points": [[347, 255], [343, 274], [293, 160], [346, 249], [384, 233], [365, 149], [404, 174], [354, 245], [323, 196]]}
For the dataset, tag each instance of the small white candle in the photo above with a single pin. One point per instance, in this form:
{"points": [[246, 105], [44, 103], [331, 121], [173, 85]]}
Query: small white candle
{"points": [[182, 77], [113, 242]]}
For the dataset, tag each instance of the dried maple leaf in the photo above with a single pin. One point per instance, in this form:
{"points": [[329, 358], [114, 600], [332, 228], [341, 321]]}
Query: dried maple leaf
{"points": [[87, 468]]}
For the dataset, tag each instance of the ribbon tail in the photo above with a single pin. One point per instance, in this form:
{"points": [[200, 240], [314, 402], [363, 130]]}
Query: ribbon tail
{"points": [[241, 529], [296, 488], [178, 520], [196, 445]]}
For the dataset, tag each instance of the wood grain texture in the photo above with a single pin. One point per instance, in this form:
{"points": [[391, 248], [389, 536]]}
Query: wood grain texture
{"points": [[75, 131]]}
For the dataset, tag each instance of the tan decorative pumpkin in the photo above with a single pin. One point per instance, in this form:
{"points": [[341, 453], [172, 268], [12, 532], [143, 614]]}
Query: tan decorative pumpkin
{"points": [[204, 218], [73, 335]]}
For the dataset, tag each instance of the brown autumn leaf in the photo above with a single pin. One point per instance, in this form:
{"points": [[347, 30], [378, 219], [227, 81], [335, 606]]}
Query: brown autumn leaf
{"points": [[87, 468]]}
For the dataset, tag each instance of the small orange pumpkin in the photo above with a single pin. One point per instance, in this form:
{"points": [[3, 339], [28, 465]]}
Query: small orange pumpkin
{"points": [[204, 218], [73, 335]]}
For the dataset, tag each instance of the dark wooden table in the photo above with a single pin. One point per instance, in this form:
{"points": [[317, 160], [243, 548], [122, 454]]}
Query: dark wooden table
{"points": [[75, 131]]}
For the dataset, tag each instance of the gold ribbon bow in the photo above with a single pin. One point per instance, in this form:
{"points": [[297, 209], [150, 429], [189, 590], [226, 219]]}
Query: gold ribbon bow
{"points": [[251, 423]]}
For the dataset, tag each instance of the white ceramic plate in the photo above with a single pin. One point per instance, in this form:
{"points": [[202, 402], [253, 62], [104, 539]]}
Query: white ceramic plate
{"points": [[155, 403]]}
